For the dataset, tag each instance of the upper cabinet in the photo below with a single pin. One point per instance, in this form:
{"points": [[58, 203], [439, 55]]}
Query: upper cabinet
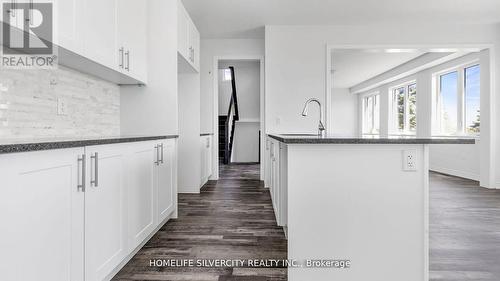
{"points": [[188, 39], [103, 38], [132, 38], [68, 24], [101, 31]]}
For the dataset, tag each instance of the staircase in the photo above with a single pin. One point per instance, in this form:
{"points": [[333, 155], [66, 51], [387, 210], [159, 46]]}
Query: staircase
{"points": [[227, 124], [222, 137]]}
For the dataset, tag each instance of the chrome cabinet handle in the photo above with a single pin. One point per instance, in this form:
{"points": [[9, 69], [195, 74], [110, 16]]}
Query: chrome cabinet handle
{"points": [[95, 182], [157, 160], [127, 55], [162, 154], [81, 160], [120, 52]]}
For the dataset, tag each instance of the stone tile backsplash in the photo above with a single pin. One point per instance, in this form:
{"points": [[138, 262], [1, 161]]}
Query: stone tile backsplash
{"points": [[29, 99]]}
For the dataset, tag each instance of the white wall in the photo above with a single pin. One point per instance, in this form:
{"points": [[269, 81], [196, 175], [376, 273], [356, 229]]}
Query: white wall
{"points": [[296, 66], [458, 160], [189, 179], [246, 136], [211, 48], [153, 109], [495, 107], [246, 144], [247, 75], [344, 109]]}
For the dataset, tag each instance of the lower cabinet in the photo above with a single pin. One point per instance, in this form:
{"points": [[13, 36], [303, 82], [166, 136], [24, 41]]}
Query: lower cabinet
{"points": [[206, 158], [276, 172], [88, 207], [42, 215], [141, 205], [166, 179], [105, 209]]}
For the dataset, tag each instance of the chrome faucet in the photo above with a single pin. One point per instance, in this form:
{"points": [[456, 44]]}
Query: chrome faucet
{"points": [[321, 127]]}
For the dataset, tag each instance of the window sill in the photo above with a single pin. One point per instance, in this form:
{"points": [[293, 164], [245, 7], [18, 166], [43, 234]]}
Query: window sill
{"points": [[457, 136]]}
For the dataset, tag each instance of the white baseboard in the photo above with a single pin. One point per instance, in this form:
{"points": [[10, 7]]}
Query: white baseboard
{"points": [[131, 255], [189, 190], [457, 173]]}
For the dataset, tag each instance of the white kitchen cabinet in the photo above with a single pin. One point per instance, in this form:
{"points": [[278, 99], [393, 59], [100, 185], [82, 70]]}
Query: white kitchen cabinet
{"points": [[69, 25], [88, 207], [132, 38], [105, 209], [100, 31], [206, 158], [267, 163], [188, 39], [277, 171], [182, 31], [42, 215], [166, 177], [141, 191]]}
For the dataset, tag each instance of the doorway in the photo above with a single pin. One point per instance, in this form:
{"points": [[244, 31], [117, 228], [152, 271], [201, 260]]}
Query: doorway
{"points": [[238, 117]]}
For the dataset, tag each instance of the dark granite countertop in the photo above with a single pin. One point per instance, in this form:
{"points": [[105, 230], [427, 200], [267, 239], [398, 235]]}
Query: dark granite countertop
{"points": [[206, 134], [314, 139], [25, 145]]}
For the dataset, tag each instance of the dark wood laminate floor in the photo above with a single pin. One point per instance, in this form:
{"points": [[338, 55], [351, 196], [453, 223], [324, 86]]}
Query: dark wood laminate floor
{"points": [[230, 219], [464, 230], [233, 218]]}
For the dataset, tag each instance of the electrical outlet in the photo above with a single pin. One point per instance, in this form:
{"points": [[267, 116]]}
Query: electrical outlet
{"points": [[410, 160], [61, 106]]}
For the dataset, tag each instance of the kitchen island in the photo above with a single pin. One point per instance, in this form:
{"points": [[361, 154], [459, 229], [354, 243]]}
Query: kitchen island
{"points": [[362, 200]]}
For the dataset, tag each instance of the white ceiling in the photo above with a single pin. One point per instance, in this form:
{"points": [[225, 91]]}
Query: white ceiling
{"points": [[246, 18], [351, 66]]}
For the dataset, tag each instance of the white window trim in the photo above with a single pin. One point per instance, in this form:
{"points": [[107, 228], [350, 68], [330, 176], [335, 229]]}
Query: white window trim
{"points": [[364, 98], [461, 132], [393, 128]]}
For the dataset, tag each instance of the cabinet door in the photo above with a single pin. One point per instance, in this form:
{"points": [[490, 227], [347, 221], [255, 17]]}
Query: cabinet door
{"points": [[105, 210], [166, 180], [41, 210], [141, 192], [194, 44], [101, 32], [276, 180], [209, 157], [203, 160], [69, 27], [182, 31], [132, 37]]}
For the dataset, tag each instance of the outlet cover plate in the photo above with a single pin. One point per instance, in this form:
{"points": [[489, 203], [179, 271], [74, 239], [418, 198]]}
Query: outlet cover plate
{"points": [[410, 160]]}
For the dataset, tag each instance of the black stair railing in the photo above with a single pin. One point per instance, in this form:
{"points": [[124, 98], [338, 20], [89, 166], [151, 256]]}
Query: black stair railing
{"points": [[232, 116]]}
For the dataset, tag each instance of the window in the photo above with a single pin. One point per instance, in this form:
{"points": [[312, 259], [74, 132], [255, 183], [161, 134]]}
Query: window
{"points": [[458, 101], [371, 114], [404, 109], [472, 98], [227, 75]]}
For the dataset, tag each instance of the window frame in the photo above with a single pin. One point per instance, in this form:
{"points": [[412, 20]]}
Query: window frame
{"points": [[461, 100], [364, 105], [393, 114]]}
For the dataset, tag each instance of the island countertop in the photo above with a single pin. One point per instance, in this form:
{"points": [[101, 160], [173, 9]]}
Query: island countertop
{"points": [[25, 145], [314, 139]]}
